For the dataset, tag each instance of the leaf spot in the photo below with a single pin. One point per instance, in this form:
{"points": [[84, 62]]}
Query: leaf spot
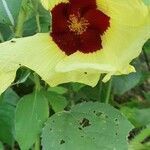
{"points": [[85, 123], [62, 142], [98, 114], [80, 128]]}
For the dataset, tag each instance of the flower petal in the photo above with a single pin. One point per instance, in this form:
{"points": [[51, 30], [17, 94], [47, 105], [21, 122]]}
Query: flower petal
{"points": [[121, 44], [88, 78], [90, 40], [40, 54], [6, 79], [37, 52], [83, 3], [97, 20], [67, 41], [50, 4], [125, 11], [59, 25]]}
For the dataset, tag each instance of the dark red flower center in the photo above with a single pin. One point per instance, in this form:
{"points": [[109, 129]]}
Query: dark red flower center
{"points": [[78, 26]]}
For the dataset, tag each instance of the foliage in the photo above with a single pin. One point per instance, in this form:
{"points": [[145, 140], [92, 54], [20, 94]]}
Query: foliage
{"points": [[70, 116]]}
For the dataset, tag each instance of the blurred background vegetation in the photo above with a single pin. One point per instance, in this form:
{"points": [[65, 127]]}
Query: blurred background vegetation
{"points": [[130, 93]]}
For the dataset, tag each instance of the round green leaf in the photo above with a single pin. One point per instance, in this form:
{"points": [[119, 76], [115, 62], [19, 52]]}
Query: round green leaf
{"points": [[87, 126]]}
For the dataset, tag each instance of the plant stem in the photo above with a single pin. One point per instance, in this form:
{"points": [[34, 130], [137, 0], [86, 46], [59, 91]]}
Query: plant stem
{"points": [[146, 59], [1, 37], [20, 23], [108, 93], [38, 22], [37, 144], [100, 90], [21, 19], [37, 82]]}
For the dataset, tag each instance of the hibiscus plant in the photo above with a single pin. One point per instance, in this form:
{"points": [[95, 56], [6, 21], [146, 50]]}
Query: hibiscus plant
{"points": [[74, 74]]}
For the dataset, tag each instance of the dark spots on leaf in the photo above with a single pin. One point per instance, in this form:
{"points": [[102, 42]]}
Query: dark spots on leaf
{"points": [[116, 133], [50, 129], [116, 119], [101, 114], [80, 128], [62, 142], [116, 122], [98, 114], [20, 65], [104, 116], [82, 136], [94, 111], [13, 41], [85, 123], [85, 73]]}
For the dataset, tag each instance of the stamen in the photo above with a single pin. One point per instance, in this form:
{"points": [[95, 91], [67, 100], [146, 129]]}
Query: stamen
{"points": [[77, 24]]}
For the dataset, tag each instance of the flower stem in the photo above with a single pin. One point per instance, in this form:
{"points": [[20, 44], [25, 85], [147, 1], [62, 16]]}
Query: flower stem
{"points": [[37, 82], [100, 88], [108, 92], [20, 23], [1, 37], [38, 22], [21, 19], [37, 144]]}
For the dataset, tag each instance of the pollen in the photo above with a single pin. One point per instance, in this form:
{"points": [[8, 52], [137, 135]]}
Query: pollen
{"points": [[77, 24]]}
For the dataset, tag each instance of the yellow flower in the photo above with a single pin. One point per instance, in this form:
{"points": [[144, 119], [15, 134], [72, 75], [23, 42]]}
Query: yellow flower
{"points": [[88, 38]]}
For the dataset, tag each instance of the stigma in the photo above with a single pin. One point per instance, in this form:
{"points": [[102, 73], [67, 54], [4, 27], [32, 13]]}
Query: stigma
{"points": [[77, 24]]}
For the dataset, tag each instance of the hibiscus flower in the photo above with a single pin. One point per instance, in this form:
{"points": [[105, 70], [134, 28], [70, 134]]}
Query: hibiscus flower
{"points": [[88, 38]]}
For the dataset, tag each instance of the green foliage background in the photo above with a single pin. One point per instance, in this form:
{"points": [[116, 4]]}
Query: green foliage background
{"points": [[71, 116]]}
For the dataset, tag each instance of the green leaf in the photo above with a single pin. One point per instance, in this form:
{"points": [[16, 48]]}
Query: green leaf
{"points": [[1, 146], [124, 83], [7, 114], [147, 2], [141, 140], [31, 113], [77, 86], [10, 97], [58, 102], [58, 89], [9, 11], [138, 117], [45, 19], [147, 96], [87, 126], [5, 31], [8, 101], [147, 47]]}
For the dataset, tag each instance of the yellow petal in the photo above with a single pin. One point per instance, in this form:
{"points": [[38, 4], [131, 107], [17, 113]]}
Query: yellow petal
{"points": [[37, 52], [6, 79], [50, 4], [128, 12], [121, 44], [40, 54], [87, 78]]}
